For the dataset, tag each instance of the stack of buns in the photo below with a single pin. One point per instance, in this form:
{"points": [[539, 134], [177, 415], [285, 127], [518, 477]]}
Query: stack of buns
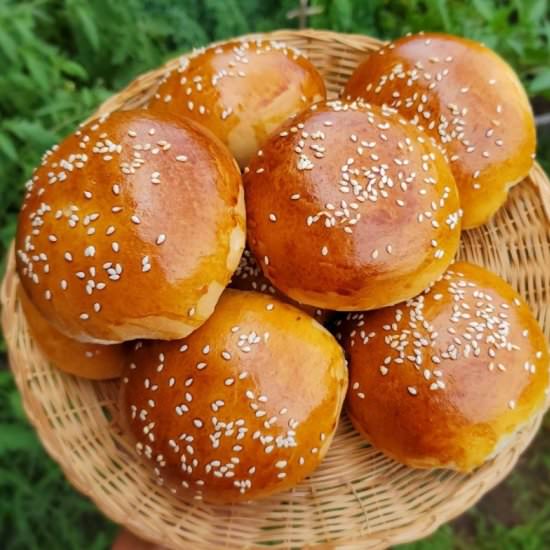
{"points": [[196, 246]]}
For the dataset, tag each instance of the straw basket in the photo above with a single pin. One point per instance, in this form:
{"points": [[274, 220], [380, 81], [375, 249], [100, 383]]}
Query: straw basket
{"points": [[358, 498]]}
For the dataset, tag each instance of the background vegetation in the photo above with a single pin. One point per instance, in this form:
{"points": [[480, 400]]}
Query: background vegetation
{"points": [[61, 58]]}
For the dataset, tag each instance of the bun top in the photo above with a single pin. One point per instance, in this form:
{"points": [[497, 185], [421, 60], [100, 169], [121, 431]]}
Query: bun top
{"points": [[249, 276], [131, 227], [444, 379], [243, 407], [241, 90], [92, 361], [349, 199], [466, 96]]}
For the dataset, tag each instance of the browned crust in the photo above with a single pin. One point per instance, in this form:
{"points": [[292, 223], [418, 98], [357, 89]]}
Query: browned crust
{"points": [[241, 90], [466, 96], [259, 386], [347, 200], [130, 228], [453, 406]]}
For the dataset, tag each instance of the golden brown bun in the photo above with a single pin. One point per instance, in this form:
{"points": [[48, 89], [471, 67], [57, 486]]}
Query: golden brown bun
{"points": [[347, 200], [465, 95], [92, 361], [249, 276], [445, 379], [248, 403], [241, 90], [131, 228]]}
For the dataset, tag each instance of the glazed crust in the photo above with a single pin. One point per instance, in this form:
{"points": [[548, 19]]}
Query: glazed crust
{"points": [[131, 227], [241, 90], [466, 96], [249, 276], [248, 403], [445, 379], [92, 361], [347, 200]]}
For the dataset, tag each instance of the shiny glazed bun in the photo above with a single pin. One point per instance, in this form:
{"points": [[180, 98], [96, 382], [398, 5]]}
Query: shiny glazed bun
{"points": [[92, 361], [241, 90], [469, 98], [350, 207], [131, 228], [447, 378], [244, 407], [249, 276]]}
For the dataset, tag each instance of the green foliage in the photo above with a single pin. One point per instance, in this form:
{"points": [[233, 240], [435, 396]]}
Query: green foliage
{"points": [[442, 539], [61, 58], [38, 508], [517, 29]]}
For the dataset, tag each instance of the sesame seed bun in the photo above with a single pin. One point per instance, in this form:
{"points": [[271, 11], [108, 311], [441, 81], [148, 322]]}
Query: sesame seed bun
{"points": [[446, 379], [92, 361], [244, 407], [350, 207], [466, 96], [241, 91], [249, 276], [131, 228]]}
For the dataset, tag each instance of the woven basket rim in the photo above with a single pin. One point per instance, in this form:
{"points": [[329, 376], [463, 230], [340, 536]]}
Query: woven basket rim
{"points": [[421, 527]]}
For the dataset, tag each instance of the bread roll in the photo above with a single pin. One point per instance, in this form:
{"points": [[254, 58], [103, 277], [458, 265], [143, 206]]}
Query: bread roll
{"points": [[241, 90], [244, 407], [467, 97], [131, 228], [446, 379], [92, 361], [349, 207], [249, 276]]}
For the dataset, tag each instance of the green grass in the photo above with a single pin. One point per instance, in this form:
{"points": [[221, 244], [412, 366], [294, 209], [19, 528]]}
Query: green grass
{"points": [[61, 58]]}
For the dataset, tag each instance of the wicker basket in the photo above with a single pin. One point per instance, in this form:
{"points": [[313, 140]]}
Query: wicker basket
{"points": [[358, 498]]}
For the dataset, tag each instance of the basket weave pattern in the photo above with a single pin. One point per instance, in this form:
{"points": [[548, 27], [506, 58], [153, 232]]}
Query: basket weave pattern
{"points": [[358, 498]]}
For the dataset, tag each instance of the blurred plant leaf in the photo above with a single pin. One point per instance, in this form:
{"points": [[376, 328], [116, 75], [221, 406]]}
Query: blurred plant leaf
{"points": [[541, 82], [15, 437]]}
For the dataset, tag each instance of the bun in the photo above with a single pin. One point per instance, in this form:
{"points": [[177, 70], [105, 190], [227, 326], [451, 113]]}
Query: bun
{"points": [[241, 90], [244, 407], [349, 199], [446, 379], [249, 276], [466, 96], [131, 228], [91, 361]]}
